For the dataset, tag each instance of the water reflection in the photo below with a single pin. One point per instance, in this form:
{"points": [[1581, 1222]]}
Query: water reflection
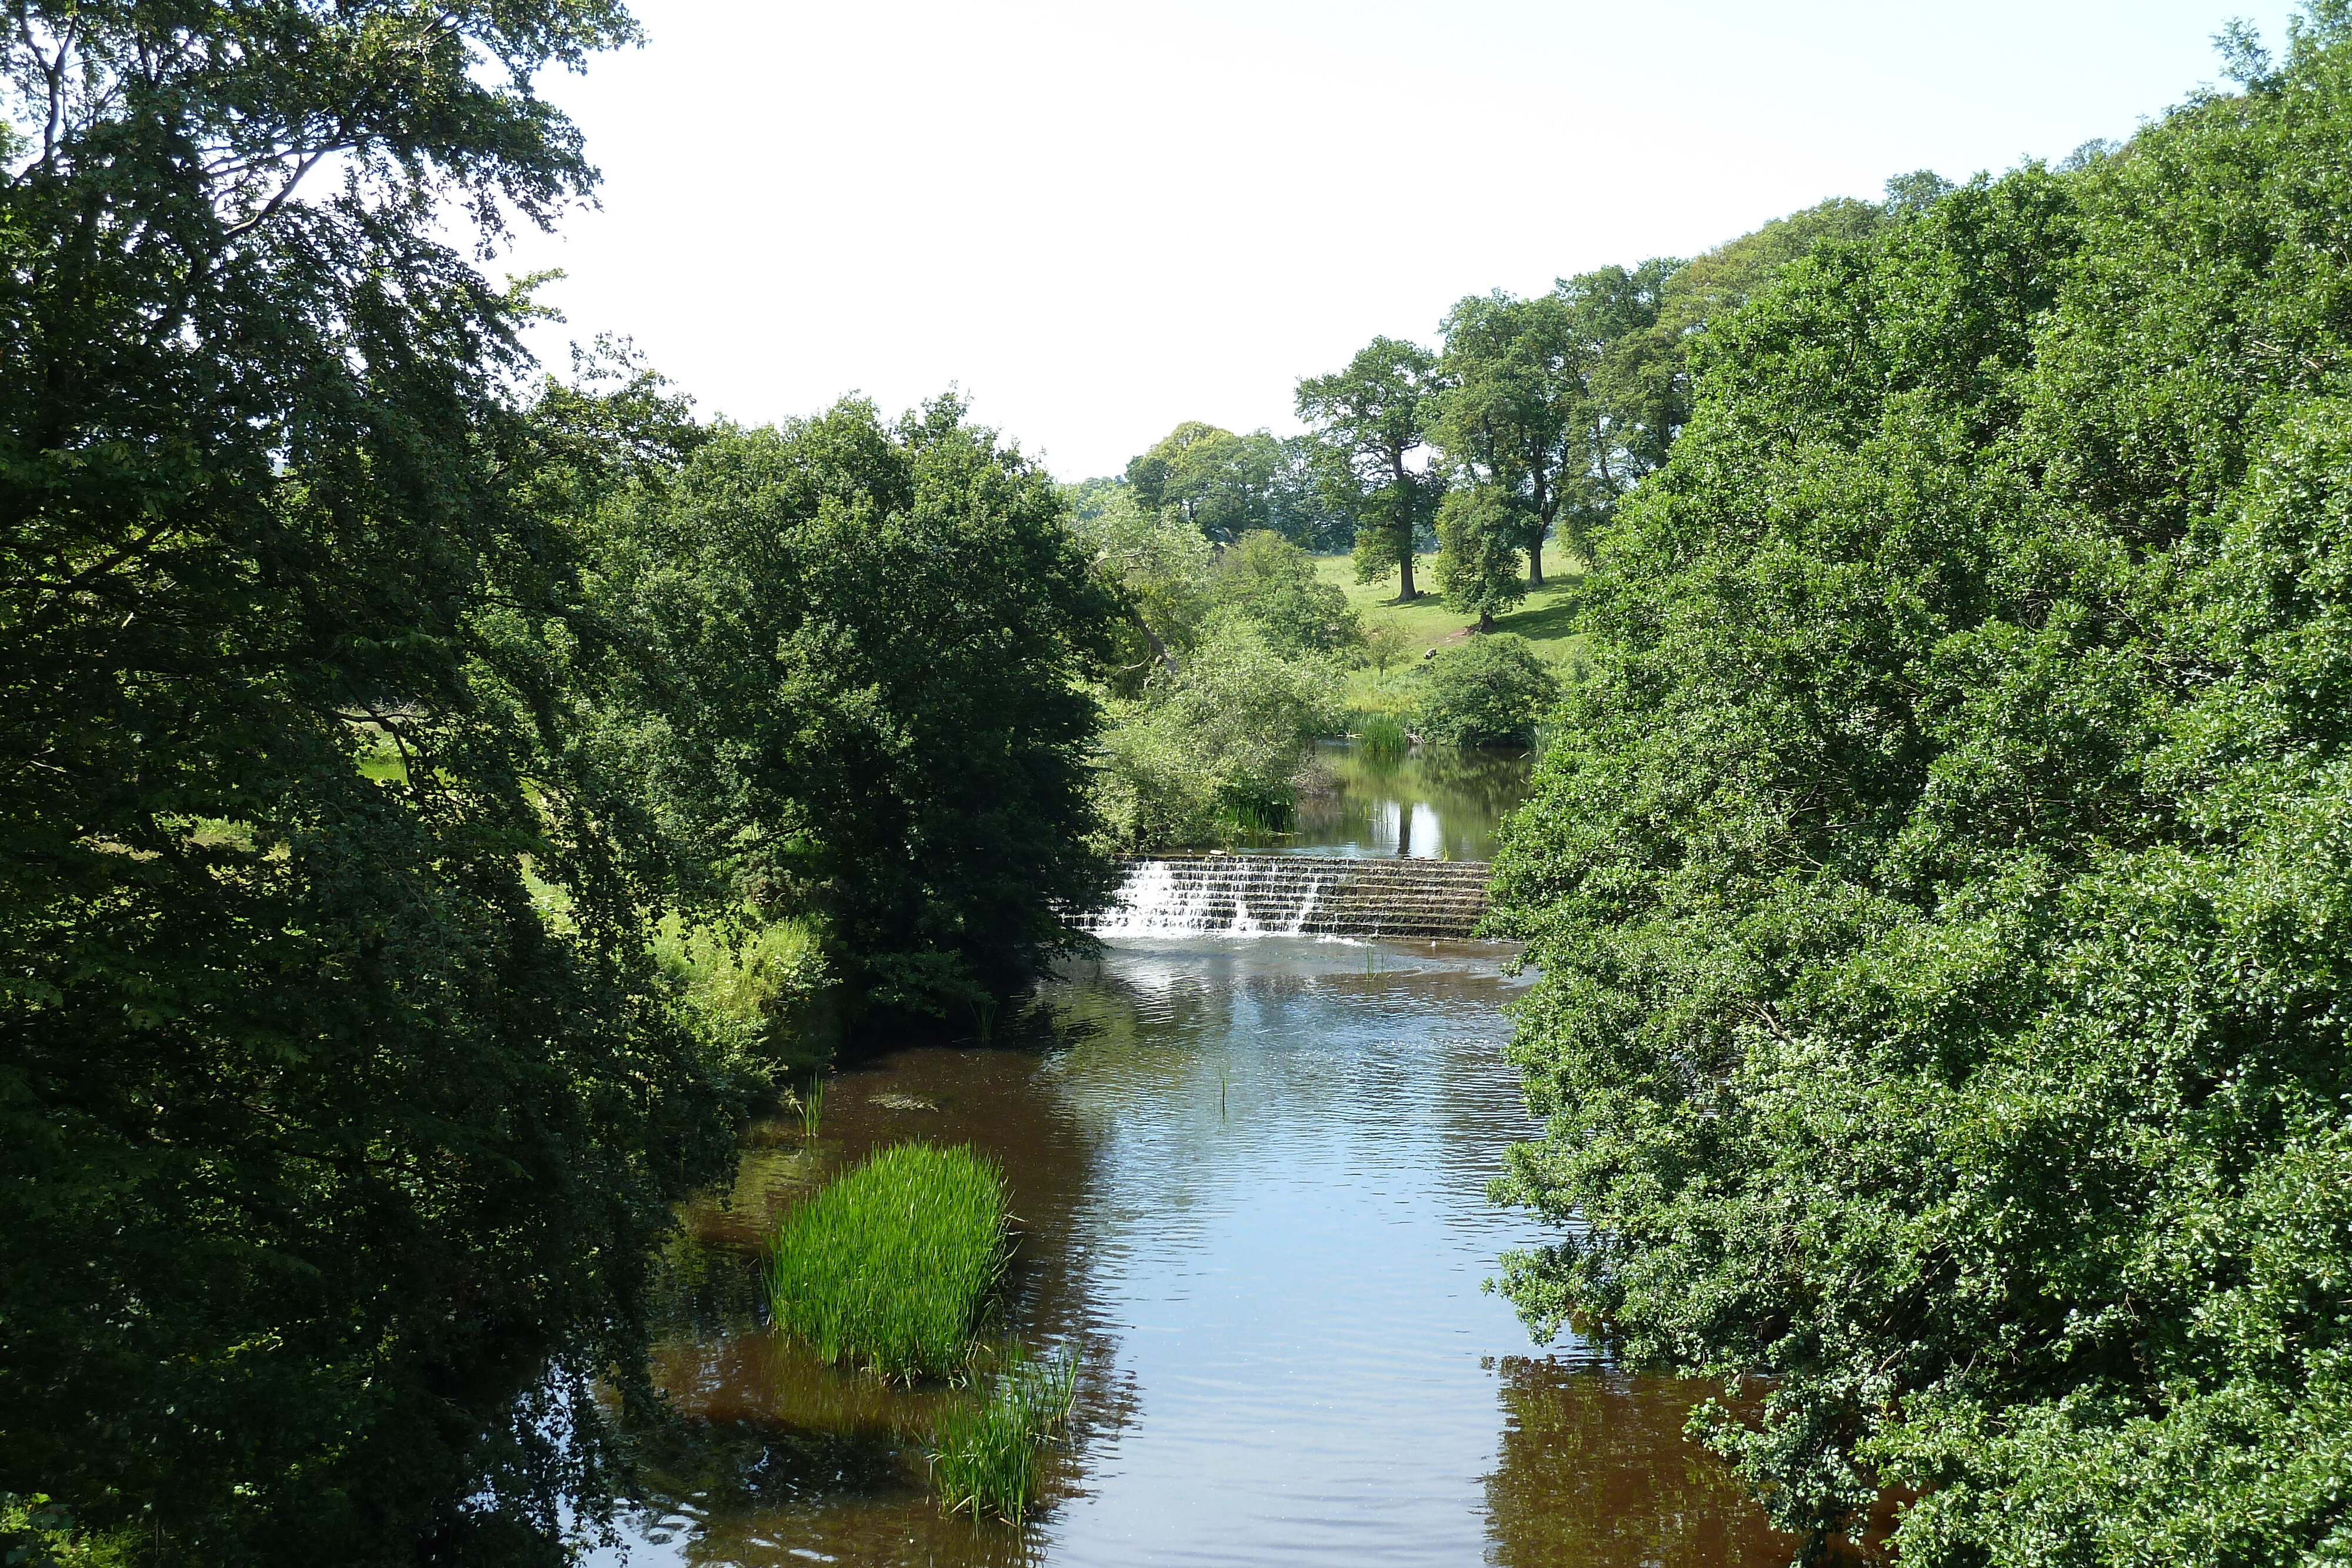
{"points": [[1250, 1178], [1437, 802], [1594, 1471]]}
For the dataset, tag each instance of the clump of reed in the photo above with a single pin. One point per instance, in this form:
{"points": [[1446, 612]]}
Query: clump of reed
{"points": [[811, 1109], [890, 1265], [986, 1455], [1381, 735]]}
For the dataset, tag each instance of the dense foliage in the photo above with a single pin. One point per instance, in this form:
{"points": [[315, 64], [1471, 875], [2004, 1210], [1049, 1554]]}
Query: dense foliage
{"points": [[1489, 691], [865, 646], [1943, 896], [1272, 584], [338, 1096], [1226, 670]]}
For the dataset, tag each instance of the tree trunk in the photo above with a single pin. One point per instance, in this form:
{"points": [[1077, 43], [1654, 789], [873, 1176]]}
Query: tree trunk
{"points": [[1401, 486], [1543, 527], [1160, 648]]}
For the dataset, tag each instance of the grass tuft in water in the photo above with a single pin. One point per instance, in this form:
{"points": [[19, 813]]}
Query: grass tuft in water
{"points": [[811, 1108], [1382, 735], [889, 1266], [985, 1455]]}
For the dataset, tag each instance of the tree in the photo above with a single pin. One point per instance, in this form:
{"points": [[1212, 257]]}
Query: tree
{"points": [[1628, 407], [1510, 415], [1370, 418], [872, 643], [1220, 482], [1489, 691], [1478, 535], [1217, 747], [1157, 566], [339, 1106], [1272, 583], [1941, 930]]}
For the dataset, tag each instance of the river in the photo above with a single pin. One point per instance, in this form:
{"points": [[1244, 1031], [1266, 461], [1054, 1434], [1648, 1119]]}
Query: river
{"points": [[1250, 1175]]}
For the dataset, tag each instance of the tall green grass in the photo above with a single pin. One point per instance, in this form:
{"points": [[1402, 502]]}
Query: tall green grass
{"points": [[890, 1265], [1381, 735], [986, 1455]]}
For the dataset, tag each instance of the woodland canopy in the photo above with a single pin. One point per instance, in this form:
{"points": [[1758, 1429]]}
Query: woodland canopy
{"points": [[1943, 890]]}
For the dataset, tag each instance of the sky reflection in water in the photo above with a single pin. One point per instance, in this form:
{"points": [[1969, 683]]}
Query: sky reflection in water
{"points": [[1290, 1358]]}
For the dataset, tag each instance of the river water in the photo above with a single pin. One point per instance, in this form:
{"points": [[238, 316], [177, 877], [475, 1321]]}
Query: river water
{"points": [[1250, 1175], [1432, 803]]}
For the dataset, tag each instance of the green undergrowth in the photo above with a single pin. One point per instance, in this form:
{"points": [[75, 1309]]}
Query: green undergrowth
{"points": [[37, 1533], [759, 982], [891, 1264], [987, 1456]]}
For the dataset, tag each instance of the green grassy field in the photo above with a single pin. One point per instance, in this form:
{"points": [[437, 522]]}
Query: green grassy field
{"points": [[1545, 618]]}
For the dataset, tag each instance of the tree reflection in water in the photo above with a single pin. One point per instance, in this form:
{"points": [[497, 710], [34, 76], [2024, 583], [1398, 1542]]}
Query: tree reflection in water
{"points": [[1595, 1473]]}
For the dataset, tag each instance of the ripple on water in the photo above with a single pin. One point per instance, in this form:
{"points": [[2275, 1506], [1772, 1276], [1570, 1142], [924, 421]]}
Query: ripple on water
{"points": [[1251, 1177]]}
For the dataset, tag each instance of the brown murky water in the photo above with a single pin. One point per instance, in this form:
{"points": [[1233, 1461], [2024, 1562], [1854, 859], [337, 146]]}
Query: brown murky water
{"points": [[1250, 1174]]}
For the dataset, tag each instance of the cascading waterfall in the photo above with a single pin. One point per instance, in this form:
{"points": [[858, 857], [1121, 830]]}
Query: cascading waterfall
{"points": [[1294, 895]]}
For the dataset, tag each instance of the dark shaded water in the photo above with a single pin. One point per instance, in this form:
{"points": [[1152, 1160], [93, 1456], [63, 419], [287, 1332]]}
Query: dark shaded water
{"points": [[1437, 802], [1250, 1174]]}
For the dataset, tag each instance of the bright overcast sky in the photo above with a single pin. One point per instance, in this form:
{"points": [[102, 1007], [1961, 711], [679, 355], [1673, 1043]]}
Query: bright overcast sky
{"points": [[1100, 219]]}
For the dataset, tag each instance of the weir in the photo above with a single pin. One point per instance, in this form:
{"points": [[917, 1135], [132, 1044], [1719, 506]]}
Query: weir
{"points": [[1301, 895]]}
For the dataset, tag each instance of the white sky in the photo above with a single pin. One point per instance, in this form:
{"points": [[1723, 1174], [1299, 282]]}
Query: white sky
{"points": [[1101, 218]]}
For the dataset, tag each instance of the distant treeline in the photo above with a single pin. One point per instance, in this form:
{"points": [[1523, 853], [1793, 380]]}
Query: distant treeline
{"points": [[1531, 421]]}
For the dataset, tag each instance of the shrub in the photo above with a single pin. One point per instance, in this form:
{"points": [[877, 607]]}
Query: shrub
{"points": [[889, 1265], [1272, 583], [1490, 690], [1185, 761], [751, 983]]}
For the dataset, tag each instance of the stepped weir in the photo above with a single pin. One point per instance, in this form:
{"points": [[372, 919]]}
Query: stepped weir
{"points": [[1299, 895]]}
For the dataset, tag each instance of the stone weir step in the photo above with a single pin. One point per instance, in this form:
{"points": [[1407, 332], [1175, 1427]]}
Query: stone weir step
{"points": [[1310, 896]]}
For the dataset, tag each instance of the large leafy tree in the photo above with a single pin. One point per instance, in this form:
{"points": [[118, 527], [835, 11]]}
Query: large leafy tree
{"points": [[867, 642], [335, 1101], [1941, 897], [1222, 483], [1479, 529], [1509, 416], [1371, 418], [1627, 402]]}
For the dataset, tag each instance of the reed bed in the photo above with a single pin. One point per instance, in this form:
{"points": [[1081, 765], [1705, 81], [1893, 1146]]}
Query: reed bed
{"points": [[987, 1456], [890, 1265], [1382, 735]]}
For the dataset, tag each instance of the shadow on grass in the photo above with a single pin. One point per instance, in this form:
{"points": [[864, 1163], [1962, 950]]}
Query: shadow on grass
{"points": [[1549, 614]]}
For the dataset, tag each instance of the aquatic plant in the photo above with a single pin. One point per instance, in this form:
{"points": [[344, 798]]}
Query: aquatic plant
{"points": [[1252, 808], [811, 1107], [889, 1265], [1381, 735], [985, 1454]]}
